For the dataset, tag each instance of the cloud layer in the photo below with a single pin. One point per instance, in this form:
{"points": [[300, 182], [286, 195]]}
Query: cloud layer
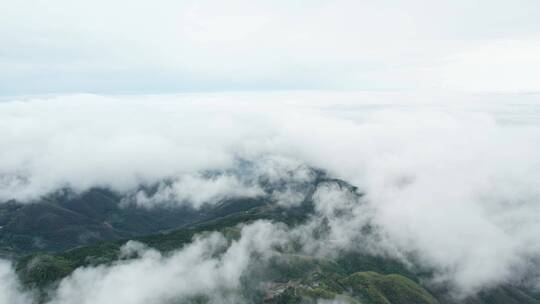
{"points": [[454, 186]]}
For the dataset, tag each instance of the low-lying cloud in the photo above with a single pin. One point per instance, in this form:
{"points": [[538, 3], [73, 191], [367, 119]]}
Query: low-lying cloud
{"points": [[196, 190], [454, 186], [211, 266], [208, 266], [10, 289]]}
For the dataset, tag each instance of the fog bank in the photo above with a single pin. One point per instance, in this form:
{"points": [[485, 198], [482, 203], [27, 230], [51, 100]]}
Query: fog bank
{"points": [[453, 181]]}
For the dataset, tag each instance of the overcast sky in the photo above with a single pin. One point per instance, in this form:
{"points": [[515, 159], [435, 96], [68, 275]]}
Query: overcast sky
{"points": [[172, 46]]}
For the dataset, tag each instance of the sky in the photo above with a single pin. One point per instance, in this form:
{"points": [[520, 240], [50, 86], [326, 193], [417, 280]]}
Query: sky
{"points": [[184, 46]]}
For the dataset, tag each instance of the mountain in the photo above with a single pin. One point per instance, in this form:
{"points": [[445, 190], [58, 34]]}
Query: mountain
{"points": [[45, 240], [65, 220]]}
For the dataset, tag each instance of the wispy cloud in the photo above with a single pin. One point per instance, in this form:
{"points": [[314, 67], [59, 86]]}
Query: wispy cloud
{"points": [[453, 184]]}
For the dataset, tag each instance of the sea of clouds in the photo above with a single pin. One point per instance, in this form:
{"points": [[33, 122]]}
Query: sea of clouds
{"points": [[452, 180]]}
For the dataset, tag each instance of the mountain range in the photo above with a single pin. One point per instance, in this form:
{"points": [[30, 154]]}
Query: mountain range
{"points": [[51, 237]]}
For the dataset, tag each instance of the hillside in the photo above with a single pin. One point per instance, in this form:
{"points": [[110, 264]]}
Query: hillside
{"points": [[289, 276]]}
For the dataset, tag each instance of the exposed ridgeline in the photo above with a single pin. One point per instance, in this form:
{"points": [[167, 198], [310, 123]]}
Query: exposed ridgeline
{"points": [[66, 219], [289, 273]]}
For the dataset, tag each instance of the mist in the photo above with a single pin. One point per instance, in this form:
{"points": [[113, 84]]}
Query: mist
{"points": [[451, 182]]}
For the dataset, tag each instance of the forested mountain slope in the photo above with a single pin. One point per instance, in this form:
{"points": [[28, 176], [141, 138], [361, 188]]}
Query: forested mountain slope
{"points": [[289, 275]]}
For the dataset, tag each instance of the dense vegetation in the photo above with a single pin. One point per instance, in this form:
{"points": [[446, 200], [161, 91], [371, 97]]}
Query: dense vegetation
{"points": [[349, 277]]}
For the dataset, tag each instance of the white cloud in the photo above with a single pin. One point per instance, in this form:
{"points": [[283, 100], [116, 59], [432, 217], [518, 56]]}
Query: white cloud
{"points": [[453, 183], [208, 266], [197, 190], [10, 289]]}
